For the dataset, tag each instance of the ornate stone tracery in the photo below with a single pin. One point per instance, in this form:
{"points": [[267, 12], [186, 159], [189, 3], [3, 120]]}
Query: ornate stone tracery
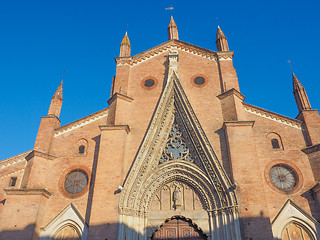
{"points": [[176, 147]]}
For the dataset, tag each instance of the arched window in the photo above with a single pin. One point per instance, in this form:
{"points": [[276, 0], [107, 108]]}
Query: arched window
{"points": [[81, 149], [67, 232], [295, 231], [275, 143], [275, 140]]}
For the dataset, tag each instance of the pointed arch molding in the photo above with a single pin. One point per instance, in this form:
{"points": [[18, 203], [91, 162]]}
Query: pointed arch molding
{"points": [[209, 179], [181, 171]]}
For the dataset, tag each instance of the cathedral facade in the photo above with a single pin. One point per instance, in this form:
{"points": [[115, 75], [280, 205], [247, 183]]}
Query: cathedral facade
{"points": [[178, 154]]}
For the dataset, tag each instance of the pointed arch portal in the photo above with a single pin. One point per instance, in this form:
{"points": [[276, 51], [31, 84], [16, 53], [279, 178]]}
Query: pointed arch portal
{"points": [[176, 171]]}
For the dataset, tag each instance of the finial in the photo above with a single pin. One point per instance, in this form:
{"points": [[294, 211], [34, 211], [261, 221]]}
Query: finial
{"points": [[300, 95], [58, 93], [125, 47], [220, 34], [221, 41], [173, 30], [56, 102], [296, 82]]}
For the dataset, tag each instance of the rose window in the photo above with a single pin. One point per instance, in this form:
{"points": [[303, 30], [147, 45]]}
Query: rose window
{"points": [[76, 181], [283, 177]]}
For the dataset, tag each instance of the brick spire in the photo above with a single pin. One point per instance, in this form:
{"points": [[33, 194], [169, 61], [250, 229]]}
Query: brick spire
{"points": [[125, 47], [221, 41], [172, 30], [300, 95], [56, 102]]}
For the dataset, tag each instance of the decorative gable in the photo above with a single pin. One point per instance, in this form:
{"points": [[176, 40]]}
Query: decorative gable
{"points": [[68, 217], [292, 213], [176, 156]]}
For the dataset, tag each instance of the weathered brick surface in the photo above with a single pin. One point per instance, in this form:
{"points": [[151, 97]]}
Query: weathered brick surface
{"points": [[239, 138]]}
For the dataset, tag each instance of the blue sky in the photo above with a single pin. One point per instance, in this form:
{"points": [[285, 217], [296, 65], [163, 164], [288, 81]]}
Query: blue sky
{"points": [[39, 39]]}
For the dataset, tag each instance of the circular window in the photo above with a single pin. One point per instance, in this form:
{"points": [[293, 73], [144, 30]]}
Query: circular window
{"points": [[149, 83], [199, 80], [76, 181], [283, 177]]}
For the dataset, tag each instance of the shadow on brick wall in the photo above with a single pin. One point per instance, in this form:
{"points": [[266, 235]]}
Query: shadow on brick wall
{"points": [[252, 229], [313, 203], [18, 234]]}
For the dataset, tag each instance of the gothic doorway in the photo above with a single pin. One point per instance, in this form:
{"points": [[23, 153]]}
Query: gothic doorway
{"points": [[178, 228]]}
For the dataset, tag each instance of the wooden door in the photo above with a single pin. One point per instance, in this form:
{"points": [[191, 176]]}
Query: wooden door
{"points": [[177, 229]]}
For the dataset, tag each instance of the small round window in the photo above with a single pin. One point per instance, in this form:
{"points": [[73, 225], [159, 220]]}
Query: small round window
{"points": [[149, 83], [283, 177], [76, 181], [199, 80]]}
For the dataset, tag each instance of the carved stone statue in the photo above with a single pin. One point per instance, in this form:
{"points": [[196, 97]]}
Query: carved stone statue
{"points": [[177, 195]]}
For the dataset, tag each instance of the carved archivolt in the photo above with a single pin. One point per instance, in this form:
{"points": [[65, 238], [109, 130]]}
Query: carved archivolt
{"points": [[182, 172], [175, 125]]}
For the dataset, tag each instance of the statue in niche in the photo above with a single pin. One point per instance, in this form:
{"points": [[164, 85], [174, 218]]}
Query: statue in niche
{"points": [[177, 197]]}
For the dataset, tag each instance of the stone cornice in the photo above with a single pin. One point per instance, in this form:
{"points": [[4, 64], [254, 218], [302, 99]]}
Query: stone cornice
{"points": [[122, 59], [28, 191], [52, 116], [120, 96], [225, 55], [81, 122], [37, 153], [114, 127], [273, 116], [238, 124], [311, 149], [231, 92], [300, 115]]}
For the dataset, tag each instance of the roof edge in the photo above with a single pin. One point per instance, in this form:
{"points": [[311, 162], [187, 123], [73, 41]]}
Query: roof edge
{"points": [[6, 160], [84, 120], [274, 115]]}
